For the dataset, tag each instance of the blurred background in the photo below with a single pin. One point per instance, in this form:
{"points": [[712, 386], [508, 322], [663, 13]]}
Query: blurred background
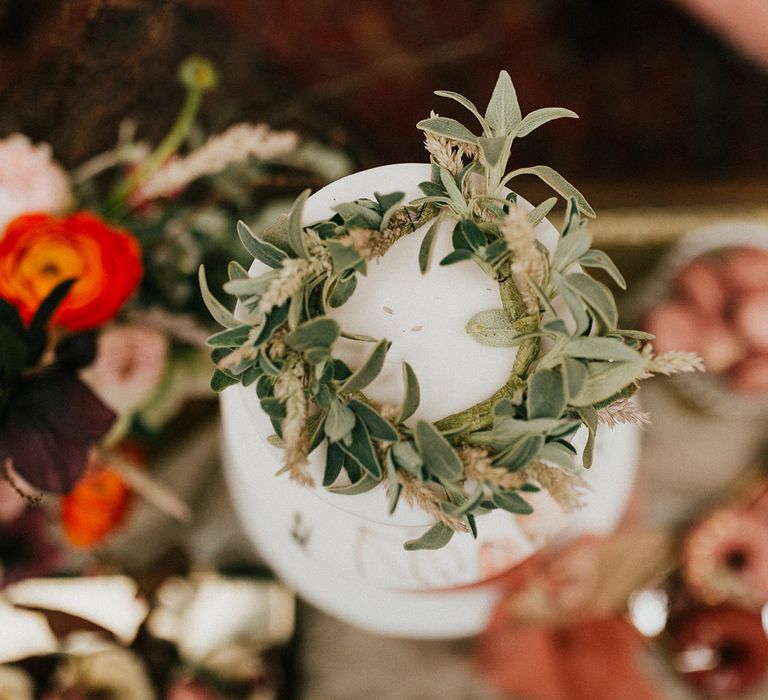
{"points": [[673, 134]]}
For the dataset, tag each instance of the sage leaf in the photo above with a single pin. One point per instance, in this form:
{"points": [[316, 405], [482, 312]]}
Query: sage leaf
{"points": [[452, 189], [606, 379], [378, 426], [320, 332], [575, 306], [546, 394], [274, 320], [519, 453], [368, 371], [273, 407], [503, 111], [276, 234], [220, 381], [456, 256], [540, 117], [493, 150], [412, 393], [295, 229], [450, 128], [235, 271], [589, 417], [600, 348], [394, 488], [366, 483], [341, 290], [575, 374], [512, 502], [440, 458], [406, 456], [339, 421], [222, 315], [436, 537], [599, 259], [343, 257], [333, 462], [464, 102], [360, 449], [471, 233], [558, 183], [492, 328], [468, 505], [555, 453], [261, 250], [595, 295], [428, 246], [539, 213], [570, 248], [230, 338]]}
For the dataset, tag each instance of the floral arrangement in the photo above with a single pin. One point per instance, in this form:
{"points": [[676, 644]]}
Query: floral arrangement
{"points": [[102, 330], [573, 369]]}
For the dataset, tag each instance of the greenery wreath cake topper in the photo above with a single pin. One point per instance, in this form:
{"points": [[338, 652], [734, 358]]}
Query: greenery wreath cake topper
{"points": [[571, 371]]}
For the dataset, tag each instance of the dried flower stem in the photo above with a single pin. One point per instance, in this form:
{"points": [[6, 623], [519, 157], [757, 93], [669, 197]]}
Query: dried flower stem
{"points": [[289, 388], [425, 497], [623, 411]]}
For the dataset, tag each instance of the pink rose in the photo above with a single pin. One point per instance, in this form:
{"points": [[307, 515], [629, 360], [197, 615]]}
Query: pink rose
{"points": [[30, 180], [130, 362]]}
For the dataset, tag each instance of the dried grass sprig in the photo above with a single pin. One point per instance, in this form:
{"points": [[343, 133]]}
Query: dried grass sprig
{"points": [[621, 412], [426, 497], [289, 388]]}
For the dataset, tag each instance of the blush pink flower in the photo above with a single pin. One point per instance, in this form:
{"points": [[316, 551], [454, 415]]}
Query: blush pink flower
{"points": [[30, 180], [130, 362], [725, 558]]}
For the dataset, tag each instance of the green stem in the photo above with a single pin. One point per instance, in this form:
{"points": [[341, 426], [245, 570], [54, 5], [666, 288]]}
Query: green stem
{"points": [[480, 416], [168, 146]]}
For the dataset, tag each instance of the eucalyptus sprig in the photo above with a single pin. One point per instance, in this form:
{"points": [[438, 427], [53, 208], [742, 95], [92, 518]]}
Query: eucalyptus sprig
{"points": [[489, 455]]}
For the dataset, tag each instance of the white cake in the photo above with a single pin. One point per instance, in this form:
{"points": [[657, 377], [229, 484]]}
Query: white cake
{"points": [[345, 553]]}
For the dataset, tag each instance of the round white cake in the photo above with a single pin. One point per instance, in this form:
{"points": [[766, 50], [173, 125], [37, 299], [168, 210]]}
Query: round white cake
{"points": [[345, 553]]}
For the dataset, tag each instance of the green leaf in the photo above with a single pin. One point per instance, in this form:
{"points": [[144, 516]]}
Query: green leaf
{"points": [[333, 463], [450, 128], [595, 295], [503, 111], [546, 394], [600, 259], [464, 102], [556, 453], [575, 306], [277, 234], [295, 229], [493, 150], [368, 371], [441, 460], [250, 286], [575, 374], [378, 426], [589, 417], [37, 333], [342, 290], [357, 214], [468, 505], [539, 213], [320, 332], [317, 355], [366, 483], [343, 257], [360, 449], [407, 457], [452, 189], [597, 348], [412, 393], [570, 248], [339, 421], [261, 250], [273, 407], [428, 245], [456, 256], [607, 379], [512, 502], [471, 233], [220, 381], [493, 328], [432, 189], [539, 117], [436, 537], [519, 453], [274, 320], [394, 487], [557, 182], [230, 338], [235, 271]]}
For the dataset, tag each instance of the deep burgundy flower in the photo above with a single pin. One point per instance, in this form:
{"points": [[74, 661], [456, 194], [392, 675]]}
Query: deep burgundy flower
{"points": [[27, 548], [48, 427]]}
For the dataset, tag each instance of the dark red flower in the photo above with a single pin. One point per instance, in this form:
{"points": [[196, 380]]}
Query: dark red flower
{"points": [[48, 428]]}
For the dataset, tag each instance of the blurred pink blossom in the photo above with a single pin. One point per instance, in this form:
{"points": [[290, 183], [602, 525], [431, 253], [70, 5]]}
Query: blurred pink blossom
{"points": [[130, 362], [30, 180]]}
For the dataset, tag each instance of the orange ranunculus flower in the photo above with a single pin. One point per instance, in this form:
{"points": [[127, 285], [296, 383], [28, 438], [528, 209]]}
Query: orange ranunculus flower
{"points": [[96, 506], [40, 251]]}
